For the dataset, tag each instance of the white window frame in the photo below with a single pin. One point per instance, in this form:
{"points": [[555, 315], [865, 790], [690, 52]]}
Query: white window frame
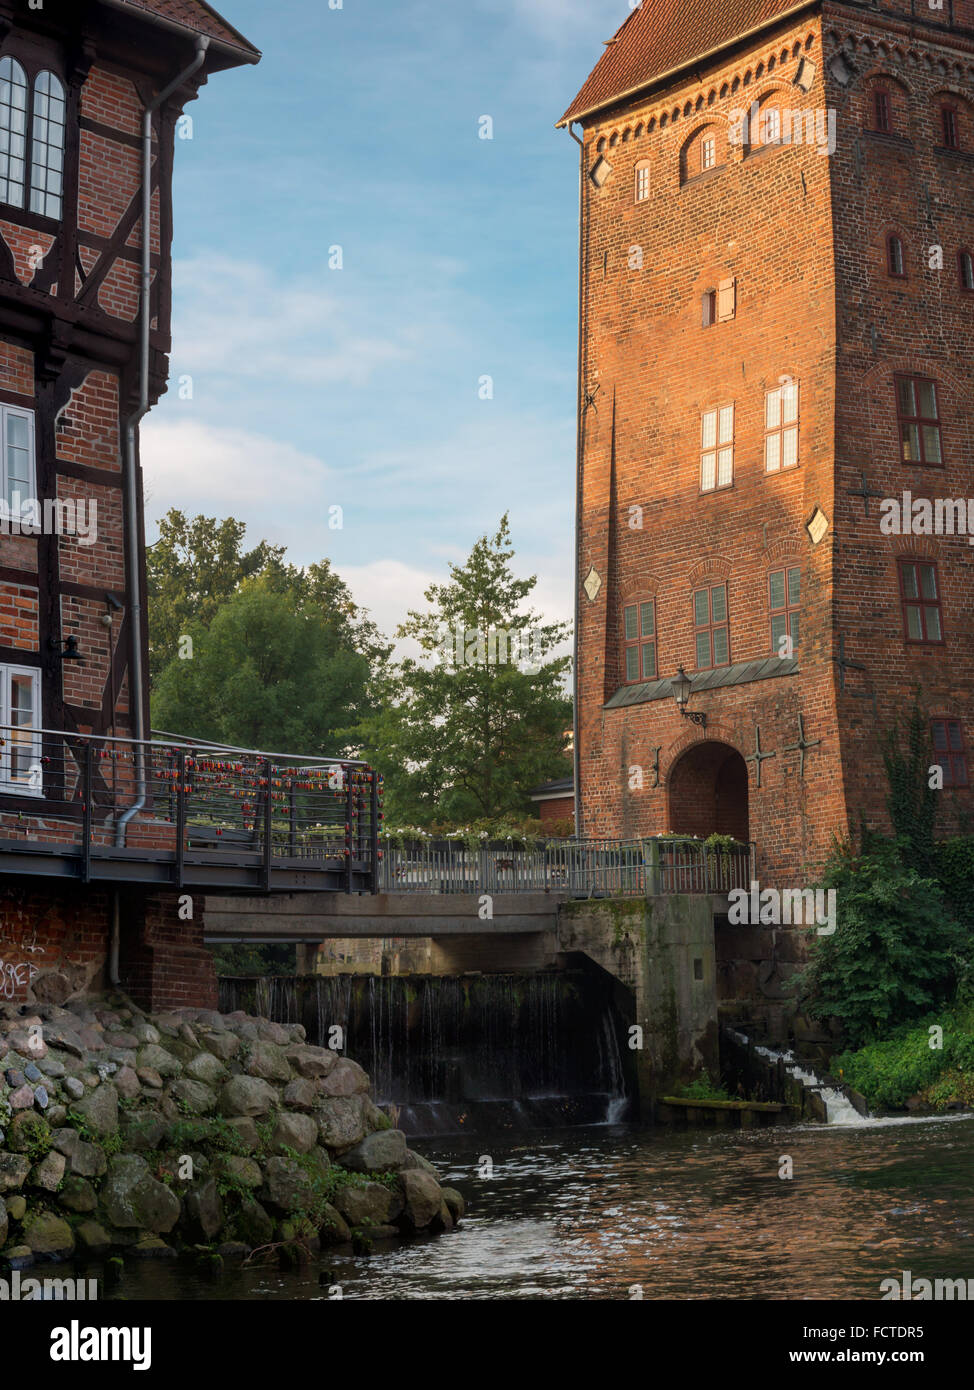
{"points": [[781, 425], [6, 411], [642, 189], [717, 448], [708, 153], [9, 787]]}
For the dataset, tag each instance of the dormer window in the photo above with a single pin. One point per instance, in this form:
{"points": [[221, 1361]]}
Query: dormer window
{"points": [[38, 125]]}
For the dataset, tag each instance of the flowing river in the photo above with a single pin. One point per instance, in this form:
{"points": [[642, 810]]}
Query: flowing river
{"points": [[616, 1212]]}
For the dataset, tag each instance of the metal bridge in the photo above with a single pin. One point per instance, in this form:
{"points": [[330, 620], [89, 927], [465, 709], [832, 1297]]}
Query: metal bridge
{"points": [[212, 817]]}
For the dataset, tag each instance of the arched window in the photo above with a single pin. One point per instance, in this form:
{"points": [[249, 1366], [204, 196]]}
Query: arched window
{"points": [[47, 146], [13, 132], [895, 261], [642, 181], [966, 271]]}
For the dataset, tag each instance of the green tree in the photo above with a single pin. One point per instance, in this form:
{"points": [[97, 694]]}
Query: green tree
{"points": [[480, 717], [268, 672], [192, 568]]}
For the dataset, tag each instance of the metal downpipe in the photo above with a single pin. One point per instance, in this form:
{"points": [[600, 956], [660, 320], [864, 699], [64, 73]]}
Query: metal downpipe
{"points": [[133, 556]]}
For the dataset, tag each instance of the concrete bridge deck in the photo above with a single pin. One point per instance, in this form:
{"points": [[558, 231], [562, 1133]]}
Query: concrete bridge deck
{"points": [[309, 917]]}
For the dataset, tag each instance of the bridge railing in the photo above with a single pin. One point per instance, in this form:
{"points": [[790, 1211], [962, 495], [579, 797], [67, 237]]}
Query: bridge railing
{"points": [[70, 792], [581, 868]]}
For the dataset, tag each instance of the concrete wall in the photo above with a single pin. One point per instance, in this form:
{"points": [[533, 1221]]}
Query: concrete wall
{"points": [[662, 950]]}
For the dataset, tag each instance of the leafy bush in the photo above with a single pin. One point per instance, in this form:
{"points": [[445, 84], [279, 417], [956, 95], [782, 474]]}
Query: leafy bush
{"points": [[888, 1073], [896, 952]]}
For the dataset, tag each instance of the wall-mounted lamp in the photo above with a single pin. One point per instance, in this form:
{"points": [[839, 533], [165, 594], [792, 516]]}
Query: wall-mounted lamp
{"points": [[681, 685], [70, 652]]}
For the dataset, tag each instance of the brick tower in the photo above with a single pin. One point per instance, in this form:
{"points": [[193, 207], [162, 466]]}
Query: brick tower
{"points": [[777, 338], [91, 96]]}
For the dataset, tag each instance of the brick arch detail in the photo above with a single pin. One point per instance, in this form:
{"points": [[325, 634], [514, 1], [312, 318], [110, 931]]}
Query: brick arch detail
{"points": [[715, 566], [789, 547], [715, 732]]}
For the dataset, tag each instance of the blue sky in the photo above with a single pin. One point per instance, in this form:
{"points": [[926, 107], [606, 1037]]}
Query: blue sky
{"points": [[314, 387]]}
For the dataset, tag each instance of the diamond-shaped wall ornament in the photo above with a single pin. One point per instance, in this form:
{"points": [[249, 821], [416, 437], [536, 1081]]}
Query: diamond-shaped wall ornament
{"points": [[600, 171], [593, 584], [818, 527]]}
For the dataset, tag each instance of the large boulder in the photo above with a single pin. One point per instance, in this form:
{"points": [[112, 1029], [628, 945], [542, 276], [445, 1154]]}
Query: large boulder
{"points": [[203, 1211], [84, 1159], [48, 1236], [372, 1204], [158, 1059], [341, 1121], [345, 1079], [77, 1194], [381, 1152], [287, 1186], [28, 1133], [297, 1132], [131, 1197], [13, 1171], [239, 1171], [47, 1174], [253, 1224], [223, 1046], [99, 1109], [247, 1095], [93, 1239], [422, 1198], [206, 1068], [193, 1096], [454, 1203], [267, 1061], [312, 1062], [3, 1223]]}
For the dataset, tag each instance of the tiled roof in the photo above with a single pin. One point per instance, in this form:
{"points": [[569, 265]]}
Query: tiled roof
{"points": [[741, 673], [662, 35], [195, 15]]}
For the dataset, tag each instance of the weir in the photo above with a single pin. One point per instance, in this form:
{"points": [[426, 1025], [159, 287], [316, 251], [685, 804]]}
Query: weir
{"points": [[468, 1054]]}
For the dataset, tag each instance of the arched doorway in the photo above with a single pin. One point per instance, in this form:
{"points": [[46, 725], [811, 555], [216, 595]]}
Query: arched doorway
{"points": [[708, 792]]}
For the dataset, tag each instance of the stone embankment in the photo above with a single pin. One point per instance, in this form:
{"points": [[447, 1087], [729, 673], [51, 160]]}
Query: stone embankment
{"points": [[122, 1131]]}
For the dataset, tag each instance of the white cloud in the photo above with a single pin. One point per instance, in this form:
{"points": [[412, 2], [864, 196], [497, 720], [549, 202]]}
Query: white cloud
{"points": [[235, 318], [194, 466]]}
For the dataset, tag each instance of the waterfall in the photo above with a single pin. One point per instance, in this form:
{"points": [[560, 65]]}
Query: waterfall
{"points": [[838, 1108], [466, 1053]]}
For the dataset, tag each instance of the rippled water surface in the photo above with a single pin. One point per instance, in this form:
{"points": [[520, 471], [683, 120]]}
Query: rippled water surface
{"points": [[589, 1213]]}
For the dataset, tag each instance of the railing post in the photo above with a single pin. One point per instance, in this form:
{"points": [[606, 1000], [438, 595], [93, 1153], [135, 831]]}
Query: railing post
{"points": [[654, 886], [349, 821], [180, 816], [86, 817], [374, 827], [292, 819], [268, 828]]}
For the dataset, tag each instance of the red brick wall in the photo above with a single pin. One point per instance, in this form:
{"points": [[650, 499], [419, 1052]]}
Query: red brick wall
{"points": [[55, 942], [799, 236], [560, 808]]}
